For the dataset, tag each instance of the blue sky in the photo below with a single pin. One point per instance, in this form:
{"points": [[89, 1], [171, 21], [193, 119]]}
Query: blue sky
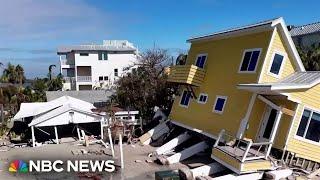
{"points": [[31, 30]]}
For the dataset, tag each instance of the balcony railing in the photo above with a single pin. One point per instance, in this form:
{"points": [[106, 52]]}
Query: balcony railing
{"points": [[66, 62], [69, 79], [186, 74], [84, 78]]}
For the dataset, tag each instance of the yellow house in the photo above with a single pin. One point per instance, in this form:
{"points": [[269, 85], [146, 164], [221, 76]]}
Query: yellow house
{"points": [[247, 88]]}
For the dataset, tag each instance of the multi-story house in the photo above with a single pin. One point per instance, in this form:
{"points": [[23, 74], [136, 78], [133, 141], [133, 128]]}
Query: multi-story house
{"points": [[87, 67], [306, 35], [247, 89]]}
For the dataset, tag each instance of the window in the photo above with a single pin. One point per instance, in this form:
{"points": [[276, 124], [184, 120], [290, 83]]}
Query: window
{"points": [[250, 60], [185, 98], [309, 127], [106, 78], [84, 54], [203, 98], [116, 72], [100, 78], [201, 59], [102, 55], [219, 104], [276, 64]]}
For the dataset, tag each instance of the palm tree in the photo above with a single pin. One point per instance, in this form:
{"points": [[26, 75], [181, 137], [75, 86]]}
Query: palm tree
{"points": [[20, 74], [310, 57], [9, 74], [50, 71]]}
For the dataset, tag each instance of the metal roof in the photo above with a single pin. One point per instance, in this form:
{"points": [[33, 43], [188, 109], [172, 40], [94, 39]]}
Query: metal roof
{"points": [[66, 49], [262, 23], [298, 80], [305, 29]]}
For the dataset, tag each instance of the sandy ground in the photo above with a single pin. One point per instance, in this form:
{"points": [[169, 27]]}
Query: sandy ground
{"points": [[132, 170]]}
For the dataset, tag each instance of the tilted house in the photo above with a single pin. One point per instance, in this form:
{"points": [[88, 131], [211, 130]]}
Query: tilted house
{"points": [[247, 88]]}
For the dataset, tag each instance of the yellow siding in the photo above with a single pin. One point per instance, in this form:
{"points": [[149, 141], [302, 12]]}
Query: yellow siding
{"points": [[277, 45], [222, 77], [302, 148], [187, 74], [256, 165]]}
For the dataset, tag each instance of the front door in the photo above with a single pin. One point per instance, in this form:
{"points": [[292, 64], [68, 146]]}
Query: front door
{"points": [[267, 125]]}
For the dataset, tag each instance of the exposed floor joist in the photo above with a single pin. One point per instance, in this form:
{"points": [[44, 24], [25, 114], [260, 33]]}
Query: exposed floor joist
{"points": [[172, 143], [154, 133]]}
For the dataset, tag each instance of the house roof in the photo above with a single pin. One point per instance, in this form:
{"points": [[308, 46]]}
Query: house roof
{"points": [[67, 49], [305, 29], [297, 80], [259, 27], [35, 109]]}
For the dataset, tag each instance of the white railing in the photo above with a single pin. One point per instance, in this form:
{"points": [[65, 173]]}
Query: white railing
{"points": [[84, 78], [66, 62], [69, 79], [259, 150]]}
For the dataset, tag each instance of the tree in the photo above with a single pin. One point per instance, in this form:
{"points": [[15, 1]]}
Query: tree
{"points": [[13, 74], [310, 57], [20, 74], [56, 83], [146, 86], [50, 71]]}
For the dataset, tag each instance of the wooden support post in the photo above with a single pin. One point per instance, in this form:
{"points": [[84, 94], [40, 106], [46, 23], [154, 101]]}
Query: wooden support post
{"points": [[121, 151], [186, 153], [172, 144], [101, 130], [33, 137], [111, 142], [56, 133], [78, 132]]}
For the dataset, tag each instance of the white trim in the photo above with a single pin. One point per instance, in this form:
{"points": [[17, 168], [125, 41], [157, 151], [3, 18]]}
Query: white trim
{"points": [[245, 120], [203, 94], [182, 105], [194, 129], [291, 125], [224, 104], [268, 102], [312, 110], [285, 56], [205, 60], [255, 68], [267, 55]]}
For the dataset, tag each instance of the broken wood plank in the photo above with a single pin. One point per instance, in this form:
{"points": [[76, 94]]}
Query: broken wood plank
{"points": [[154, 133], [257, 175], [172, 143], [314, 174], [186, 153], [278, 174]]}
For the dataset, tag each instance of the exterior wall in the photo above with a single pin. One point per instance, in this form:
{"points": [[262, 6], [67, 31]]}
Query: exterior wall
{"points": [[277, 45], [307, 40], [302, 147], [223, 61], [101, 67]]}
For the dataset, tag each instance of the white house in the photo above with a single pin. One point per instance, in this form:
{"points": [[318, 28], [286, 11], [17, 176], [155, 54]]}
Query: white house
{"points": [[63, 111], [87, 67]]}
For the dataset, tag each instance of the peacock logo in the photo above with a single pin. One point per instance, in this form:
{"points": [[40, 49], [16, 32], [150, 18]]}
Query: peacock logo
{"points": [[18, 166]]}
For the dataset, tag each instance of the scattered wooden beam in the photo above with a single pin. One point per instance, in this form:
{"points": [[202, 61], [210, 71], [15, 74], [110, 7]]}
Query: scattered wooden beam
{"points": [[172, 143], [314, 174], [56, 134], [186, 153], [33, 137], [278, 174], [154, 133], [257, 175]]}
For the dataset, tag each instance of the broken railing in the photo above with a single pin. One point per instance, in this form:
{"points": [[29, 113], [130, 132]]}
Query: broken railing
{"points": [[243, 150]]}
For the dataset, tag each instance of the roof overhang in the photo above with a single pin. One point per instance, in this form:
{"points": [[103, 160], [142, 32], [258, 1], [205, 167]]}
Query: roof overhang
{"points": [[275, 88]]}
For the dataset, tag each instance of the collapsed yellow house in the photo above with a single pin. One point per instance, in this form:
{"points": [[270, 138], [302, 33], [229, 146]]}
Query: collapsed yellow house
{"points": [[247, 88]]}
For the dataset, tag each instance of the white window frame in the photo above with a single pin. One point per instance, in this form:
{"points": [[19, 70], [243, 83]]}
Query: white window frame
{"points": [[205, 61], [203, 94], [303, 138], [282, 64], [224, 105], [182, 105], [243, 54]]}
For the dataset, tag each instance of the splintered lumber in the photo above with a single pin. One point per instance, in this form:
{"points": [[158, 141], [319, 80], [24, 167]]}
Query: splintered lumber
{"points": [[201, 171], [186, 153], [314, 174], [154, 133], [278, 174], [172, 143], [257, 175]]}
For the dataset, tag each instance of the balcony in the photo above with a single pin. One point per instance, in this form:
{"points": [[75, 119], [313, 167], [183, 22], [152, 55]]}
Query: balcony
{"points": [[84, 79], [69, 79], [66, 62], [186, 74]]}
